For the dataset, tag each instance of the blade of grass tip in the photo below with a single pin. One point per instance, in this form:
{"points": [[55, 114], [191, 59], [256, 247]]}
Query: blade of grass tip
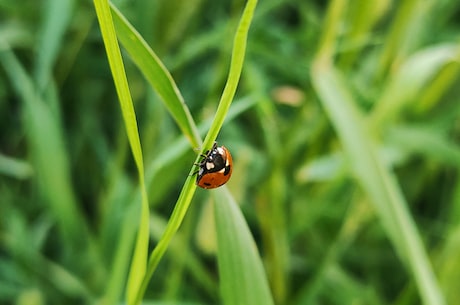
{"points": [[138, 265], [376, 180], [189, 188], [242, 275], [157, 75]]}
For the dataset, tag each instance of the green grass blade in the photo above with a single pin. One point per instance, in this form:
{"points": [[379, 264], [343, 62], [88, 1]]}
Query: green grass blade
{"points": [[173, 225], [189, 188], [15, 168], [376, 180], [410, 80], [46, 143], [236, 66], [57, 15], [179, 147], [410, 18], [242, 276], [426, 142], [138, 266], [157, 75], [117, 278]]}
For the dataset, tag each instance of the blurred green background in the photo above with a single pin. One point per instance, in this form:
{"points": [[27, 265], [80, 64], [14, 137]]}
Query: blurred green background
{"points": [[327, 162]]}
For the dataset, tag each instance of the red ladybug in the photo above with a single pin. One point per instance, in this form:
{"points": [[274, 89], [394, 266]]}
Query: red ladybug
{"points": [[215, 168]]}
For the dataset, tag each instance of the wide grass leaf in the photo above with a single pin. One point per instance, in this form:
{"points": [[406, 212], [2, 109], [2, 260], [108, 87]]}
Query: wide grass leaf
{"points": [[157, 75], [242, 276]]}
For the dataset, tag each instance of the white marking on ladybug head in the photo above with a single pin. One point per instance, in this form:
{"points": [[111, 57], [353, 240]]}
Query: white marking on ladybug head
{"points": [[209, 165], [220, 150]]}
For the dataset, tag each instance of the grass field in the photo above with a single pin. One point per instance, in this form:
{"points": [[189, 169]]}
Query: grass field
{"points": [[342, 117]]}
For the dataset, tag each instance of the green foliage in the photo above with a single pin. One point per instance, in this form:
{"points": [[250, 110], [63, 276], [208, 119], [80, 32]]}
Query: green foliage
{"points": [[344, 134]]}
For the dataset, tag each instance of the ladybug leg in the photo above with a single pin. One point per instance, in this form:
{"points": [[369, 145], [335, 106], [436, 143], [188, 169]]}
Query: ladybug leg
{"points": [[202, 160], [205, 154], [200, 163]]}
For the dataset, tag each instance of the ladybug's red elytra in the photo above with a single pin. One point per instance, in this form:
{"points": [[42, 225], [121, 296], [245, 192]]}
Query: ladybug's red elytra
{"points": [[215, 168]]}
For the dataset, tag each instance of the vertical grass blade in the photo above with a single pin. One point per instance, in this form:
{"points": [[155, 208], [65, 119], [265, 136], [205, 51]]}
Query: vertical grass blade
{"points": [[57, 15], [138, 265], [47, 148], [376, 180]]}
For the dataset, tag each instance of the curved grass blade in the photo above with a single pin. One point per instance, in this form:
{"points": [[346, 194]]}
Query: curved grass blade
{"points": [[179, 147], [138, 265], [157, 75], [186, 195], [242, 276], [236, 66]]}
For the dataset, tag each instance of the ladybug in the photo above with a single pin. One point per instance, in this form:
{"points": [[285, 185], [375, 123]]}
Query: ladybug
{"points": [[215, 168]]}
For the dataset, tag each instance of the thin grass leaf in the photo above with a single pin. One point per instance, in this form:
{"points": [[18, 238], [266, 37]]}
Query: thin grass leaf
{"points": [[425, 142], [412, 17], [173, 225], [179, 147], [364, 15], [242, 276], [16, 168], [57, 15], [438, 87], [138, 265], [236, 66], [117, 278], [376, 180], [157, 75], [413, 76]]}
